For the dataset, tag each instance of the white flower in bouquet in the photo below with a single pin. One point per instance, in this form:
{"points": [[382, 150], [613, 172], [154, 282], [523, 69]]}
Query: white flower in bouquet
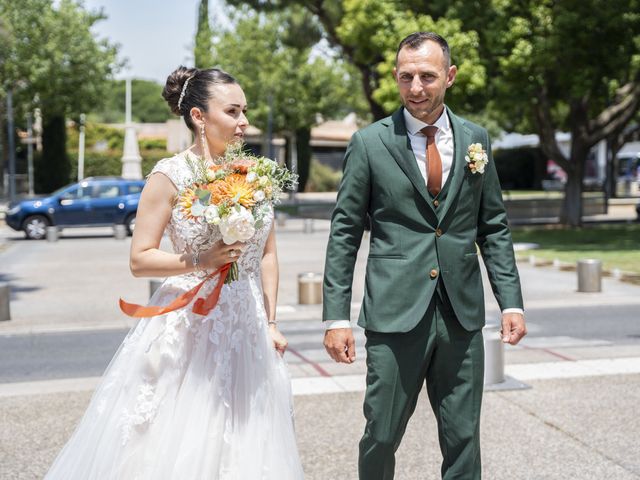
{"points": [[258, 196], [212, 215], [238, 226], [251, 177]]}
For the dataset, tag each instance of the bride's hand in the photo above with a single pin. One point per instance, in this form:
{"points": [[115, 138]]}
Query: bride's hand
{"points": [[220, 254], [279, 341]]}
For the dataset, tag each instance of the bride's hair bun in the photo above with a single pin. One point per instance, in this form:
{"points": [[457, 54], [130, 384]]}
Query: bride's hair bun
{"points": [[187, 88], [175, 84]]}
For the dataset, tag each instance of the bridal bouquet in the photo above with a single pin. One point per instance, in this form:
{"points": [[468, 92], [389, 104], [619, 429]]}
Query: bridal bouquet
{"points": [[235, 193]]}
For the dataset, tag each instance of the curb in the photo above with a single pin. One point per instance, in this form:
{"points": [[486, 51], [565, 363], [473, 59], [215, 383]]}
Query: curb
{"points": [[615, 273]]}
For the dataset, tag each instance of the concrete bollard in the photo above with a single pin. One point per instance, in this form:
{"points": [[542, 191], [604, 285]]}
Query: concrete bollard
{"points": [[5, 297], [493, 354], [589, 275], [52, 234], [153, 286], [309, 288], [308, 225], [119, 232]]}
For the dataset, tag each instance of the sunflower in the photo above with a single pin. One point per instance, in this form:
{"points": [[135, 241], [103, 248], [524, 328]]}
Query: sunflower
{"points": [[234, 188]]}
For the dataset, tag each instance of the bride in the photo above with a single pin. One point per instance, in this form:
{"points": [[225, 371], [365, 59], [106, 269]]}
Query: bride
{"points": [[190, 396]]}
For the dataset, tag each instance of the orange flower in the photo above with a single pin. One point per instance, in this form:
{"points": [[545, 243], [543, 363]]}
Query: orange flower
{"points": [[241, 165], [234, 186], [187, 199]]}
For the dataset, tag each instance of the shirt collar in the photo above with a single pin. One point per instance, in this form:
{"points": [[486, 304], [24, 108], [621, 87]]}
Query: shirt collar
{"points": [[414, 125]]}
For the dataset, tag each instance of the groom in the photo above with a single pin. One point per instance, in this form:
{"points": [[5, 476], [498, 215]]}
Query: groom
{"points": [[434, 201]]}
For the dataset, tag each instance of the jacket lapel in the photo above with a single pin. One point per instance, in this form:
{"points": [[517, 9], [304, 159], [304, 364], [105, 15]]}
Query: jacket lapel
{"points": [[461, 141], [397, 141]]}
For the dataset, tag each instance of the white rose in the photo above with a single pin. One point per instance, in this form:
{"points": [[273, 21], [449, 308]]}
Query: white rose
{"points": [[238, 226], [211, 214], [258, 195], [251, 177], [264, 180], [481, 162]]}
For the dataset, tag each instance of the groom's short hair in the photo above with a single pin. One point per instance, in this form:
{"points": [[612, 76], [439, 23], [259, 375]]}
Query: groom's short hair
{"points": [[415, 40]]}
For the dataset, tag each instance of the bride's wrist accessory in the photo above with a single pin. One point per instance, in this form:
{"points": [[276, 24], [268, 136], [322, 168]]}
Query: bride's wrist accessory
{"points": [[272, 322], [195, 260]]}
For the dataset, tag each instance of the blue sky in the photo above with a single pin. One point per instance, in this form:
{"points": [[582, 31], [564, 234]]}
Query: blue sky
{"points": [[155, 36]]}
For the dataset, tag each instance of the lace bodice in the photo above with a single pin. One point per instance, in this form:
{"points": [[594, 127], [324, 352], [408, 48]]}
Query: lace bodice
{"points": [[190, 235]]}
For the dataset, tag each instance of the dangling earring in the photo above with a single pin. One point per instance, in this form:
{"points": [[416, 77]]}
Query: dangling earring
{"points": [[202, 141]]}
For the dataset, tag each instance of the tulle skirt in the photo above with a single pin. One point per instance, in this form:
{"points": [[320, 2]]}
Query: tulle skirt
{"points": [[190, 397]]}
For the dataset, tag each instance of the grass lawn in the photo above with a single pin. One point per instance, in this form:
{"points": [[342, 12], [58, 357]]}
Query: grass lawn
{"points": [[618, 246]]}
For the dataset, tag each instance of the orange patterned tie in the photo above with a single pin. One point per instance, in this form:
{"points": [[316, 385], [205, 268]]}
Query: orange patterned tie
{"points": [[434, 163]]}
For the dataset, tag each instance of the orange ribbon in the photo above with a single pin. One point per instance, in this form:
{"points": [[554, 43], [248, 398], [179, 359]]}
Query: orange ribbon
{"points": [[202, 306]]}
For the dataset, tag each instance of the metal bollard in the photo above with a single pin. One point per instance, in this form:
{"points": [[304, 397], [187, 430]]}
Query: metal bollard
{"points": [[119, 232], [589, 275], [5, 297], [308, 225], [52, 234], [153, 286], [493, 354], [281, 219], [309, 288]]}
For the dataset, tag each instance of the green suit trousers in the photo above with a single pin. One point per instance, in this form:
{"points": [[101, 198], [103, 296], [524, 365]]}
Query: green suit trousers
{"points": [[450, 360]]}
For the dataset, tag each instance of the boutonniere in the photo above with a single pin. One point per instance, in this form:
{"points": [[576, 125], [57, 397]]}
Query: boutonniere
{"points": [[476, 158]]}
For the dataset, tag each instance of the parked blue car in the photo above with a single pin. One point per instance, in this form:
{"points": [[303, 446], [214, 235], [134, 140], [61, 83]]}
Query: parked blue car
{"points": [[93, 202]]}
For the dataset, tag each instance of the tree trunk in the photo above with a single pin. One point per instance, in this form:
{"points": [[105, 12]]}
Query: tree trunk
{"points": [[571, 214], [54, 169], [303, 146], [370, 82]]}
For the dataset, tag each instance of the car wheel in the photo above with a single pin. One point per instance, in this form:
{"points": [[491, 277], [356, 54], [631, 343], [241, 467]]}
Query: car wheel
{"points": [[130, 223], [35, 227]]}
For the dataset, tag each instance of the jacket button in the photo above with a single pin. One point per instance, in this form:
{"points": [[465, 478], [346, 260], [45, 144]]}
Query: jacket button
{"points": [[436, 203], [433, 273], [438, 232]]}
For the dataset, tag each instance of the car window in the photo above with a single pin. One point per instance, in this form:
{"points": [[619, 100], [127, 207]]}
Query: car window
{"points": [[80, 191], [106, 190], [134, 188]]}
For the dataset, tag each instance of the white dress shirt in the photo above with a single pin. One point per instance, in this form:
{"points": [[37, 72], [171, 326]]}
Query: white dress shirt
{"points": [[444, 142]]}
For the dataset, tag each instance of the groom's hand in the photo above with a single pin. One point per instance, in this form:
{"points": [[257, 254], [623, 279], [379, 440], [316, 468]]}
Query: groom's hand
{"points": [[340, 345], [513, 328]]}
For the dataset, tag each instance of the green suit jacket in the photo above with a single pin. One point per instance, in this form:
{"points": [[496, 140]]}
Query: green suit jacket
{"points": [[406, 257]]}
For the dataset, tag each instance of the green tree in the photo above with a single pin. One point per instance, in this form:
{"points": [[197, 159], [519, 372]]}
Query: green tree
{"points": [[360, 31], [274, 66], [542, 66], [569, 66], [55, 63], [204, 38]]}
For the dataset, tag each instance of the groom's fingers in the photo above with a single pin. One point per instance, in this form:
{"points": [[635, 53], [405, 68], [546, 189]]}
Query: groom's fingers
{"points": [[351, 349], [336, 342]]}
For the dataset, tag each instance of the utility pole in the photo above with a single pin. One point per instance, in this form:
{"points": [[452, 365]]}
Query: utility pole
{"points": [[30, 142], [270, 127], [81, 148], [11, 145]]}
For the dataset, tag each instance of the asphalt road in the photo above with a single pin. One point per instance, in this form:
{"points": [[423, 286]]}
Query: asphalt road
{"points": [[49, 356]]}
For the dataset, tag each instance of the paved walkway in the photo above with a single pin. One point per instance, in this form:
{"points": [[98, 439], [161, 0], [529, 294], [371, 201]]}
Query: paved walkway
{"points": [[577, 421]]}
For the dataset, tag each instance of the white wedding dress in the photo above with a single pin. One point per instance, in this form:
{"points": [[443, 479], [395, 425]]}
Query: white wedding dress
{"points": [[191, 397]]}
